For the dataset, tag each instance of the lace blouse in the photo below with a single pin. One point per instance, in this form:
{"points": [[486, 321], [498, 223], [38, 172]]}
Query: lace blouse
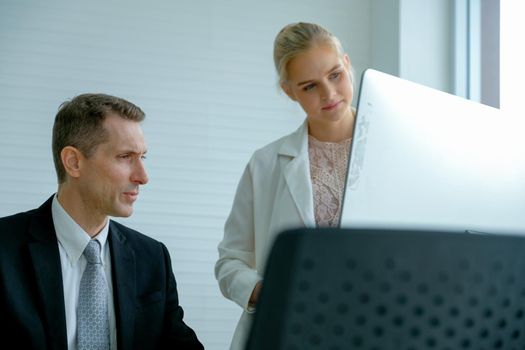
{"points": [[328, 167]]}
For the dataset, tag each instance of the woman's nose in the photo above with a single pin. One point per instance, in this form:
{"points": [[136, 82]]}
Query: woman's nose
{"points": [[327, 91]]}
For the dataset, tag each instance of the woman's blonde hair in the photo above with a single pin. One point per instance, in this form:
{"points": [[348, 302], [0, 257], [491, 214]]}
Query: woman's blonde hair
{"points": [[297, 38]]}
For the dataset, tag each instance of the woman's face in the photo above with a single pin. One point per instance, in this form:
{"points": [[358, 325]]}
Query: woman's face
{"points": [[319, 80]]}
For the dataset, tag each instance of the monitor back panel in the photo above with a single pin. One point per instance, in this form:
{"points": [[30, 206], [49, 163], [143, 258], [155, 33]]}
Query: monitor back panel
{"points": [[425, 159]]}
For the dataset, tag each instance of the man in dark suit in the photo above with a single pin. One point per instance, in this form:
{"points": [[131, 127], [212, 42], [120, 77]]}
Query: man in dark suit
{"points": [[55, 295]]}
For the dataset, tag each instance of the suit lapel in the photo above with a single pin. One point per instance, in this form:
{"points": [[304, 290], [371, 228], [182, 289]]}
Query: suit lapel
{"points": [[123, 266], [45, 257], [294, 157]]}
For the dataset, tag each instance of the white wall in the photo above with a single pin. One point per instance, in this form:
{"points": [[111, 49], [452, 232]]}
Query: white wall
{"points": [[384, 34], [426, 35], [203, 73], [414, 40]]}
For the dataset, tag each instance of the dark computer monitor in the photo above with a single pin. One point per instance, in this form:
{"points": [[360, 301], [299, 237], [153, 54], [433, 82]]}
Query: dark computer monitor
{"points": [[345, 289], [425, 159]]}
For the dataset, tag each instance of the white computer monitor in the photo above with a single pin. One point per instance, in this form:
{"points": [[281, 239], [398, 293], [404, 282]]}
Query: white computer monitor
{"points": [[424, 159]]}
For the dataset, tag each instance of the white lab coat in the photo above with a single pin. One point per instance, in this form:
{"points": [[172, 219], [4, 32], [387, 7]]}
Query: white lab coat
{"points": [[274, 194]]}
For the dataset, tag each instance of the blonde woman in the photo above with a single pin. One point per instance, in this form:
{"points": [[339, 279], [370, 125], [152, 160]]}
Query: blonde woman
{"points": [[297, 180]]}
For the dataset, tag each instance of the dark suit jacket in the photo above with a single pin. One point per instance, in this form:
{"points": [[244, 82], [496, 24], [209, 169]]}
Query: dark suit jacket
{"points": [[32, 312]]}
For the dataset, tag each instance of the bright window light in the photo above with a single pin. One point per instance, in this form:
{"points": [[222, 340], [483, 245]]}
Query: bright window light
{"points": [[512, 55]]}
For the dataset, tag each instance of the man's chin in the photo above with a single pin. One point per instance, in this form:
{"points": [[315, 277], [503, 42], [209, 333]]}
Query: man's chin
{"points": [[122, 213]]}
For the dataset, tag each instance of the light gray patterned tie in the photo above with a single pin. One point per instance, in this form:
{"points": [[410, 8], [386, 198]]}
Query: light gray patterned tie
{"points": [[92, 311]]}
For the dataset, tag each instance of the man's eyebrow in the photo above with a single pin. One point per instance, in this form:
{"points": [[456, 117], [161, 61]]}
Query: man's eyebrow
{"points": [[130, 150]]}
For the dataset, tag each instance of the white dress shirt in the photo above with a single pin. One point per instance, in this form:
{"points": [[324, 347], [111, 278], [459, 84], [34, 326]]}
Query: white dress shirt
{"points": [[72, 240]]}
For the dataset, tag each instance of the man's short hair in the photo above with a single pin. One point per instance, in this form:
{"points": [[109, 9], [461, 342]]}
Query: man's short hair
{"points": [[78, 123]]}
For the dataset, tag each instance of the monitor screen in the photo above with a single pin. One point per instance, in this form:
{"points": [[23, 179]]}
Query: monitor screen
{"points": [[425, 159]]}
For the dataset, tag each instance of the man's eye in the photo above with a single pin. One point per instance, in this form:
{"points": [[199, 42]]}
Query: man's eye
{"points": [[124, 156]]}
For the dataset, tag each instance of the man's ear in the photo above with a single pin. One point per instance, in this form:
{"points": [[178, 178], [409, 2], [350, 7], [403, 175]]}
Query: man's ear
{"points": [[71, 158], [287, 89]]}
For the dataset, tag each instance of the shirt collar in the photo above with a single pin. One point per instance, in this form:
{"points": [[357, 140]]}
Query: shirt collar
{"points": [[71, 236]]}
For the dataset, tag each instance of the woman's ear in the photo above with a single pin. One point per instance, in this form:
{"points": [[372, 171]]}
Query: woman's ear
{"points": [[71, 158], [346, 61], [348, 67], [287, 89]]}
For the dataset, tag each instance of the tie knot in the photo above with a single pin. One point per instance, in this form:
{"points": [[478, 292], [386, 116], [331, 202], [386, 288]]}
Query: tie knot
{"points": [[92, 252]]}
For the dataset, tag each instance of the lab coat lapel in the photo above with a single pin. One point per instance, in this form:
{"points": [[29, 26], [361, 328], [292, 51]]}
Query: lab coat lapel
{"points": [[296, 165]]}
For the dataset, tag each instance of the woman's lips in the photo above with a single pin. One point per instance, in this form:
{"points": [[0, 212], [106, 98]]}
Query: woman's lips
{"points": [[331, 106]]}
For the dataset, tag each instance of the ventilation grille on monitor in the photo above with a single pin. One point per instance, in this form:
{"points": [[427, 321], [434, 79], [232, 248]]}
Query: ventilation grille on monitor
{"points": [[405, 292]]}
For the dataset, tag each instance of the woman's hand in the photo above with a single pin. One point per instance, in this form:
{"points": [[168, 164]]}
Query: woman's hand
{"points": [[254, 298]]}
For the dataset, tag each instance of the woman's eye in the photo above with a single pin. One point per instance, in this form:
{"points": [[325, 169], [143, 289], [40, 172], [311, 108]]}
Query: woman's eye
{"points": [[335, 75], [308, 87]]}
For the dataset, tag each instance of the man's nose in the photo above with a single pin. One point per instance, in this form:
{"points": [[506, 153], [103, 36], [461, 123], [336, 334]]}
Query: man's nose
{"points": [[140, 175]]}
